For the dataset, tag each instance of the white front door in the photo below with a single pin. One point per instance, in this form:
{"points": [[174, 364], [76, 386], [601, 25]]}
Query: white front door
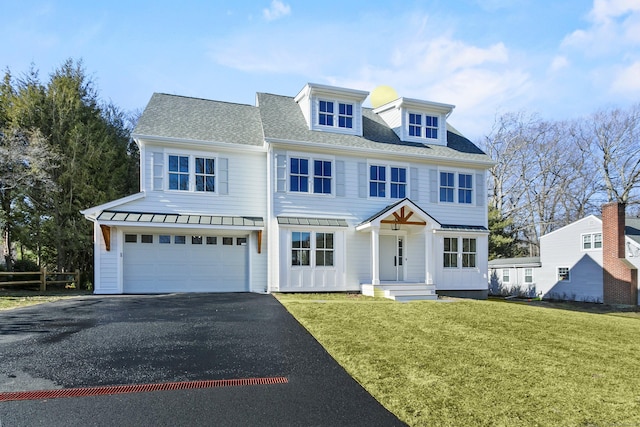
{"points": [[392, 258]]}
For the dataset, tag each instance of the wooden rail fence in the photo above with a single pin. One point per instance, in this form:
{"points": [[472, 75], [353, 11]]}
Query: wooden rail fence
{"points": [[45, 278]]}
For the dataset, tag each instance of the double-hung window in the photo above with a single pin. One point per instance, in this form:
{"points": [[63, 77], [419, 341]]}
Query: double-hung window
{"points": [[450, 252], [398, 183], [506, 275], [591, 241], [345, 115], [300, 248], [312, 249], [528, 275], [431, 127], [564, 274], [179, 173], [205, 174], [415, 125], [324, 249], [468, 253], [461, 193], [325, 113], [299, 175], [322, 176], [377, 181], [447, 187], [423, 126], [465, 188]]}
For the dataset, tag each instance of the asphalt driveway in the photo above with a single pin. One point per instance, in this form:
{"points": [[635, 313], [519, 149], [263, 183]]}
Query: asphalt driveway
{"points": [[131, 340]]}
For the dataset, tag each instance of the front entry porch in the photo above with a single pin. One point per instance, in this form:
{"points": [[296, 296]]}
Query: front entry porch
{"points": [[401, 291], [402, 255]]}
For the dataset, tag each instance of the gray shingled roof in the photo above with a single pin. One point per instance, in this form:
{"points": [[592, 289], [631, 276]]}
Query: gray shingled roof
{"points": [[533, 261], [282, 119], [632, 228], [180, 117], [279, 118]]}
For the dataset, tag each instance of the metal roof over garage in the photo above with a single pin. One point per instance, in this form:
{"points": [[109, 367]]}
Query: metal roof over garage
{"points": [[321, 222], [162, 218]]}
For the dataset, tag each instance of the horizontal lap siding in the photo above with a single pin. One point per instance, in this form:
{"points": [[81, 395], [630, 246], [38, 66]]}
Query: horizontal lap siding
{"points": [[563, 248], [246, 194]]}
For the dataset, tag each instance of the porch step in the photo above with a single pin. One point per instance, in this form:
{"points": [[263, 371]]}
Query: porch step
{"points": [[401, 291]]}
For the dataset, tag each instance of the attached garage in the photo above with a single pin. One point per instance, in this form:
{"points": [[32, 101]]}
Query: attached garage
{"points": [[145, 253], [159, 263]]}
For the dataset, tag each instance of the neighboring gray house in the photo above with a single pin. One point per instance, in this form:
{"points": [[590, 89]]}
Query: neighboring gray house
{"points": [[570, 266], [514, 276]]}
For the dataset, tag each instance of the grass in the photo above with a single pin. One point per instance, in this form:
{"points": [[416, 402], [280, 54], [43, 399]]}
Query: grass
{"points": [[14, 298], [482, 362]]}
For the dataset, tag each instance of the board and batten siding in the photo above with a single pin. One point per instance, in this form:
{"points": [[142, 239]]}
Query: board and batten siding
{"points": [[459, 279], [563, 248]]}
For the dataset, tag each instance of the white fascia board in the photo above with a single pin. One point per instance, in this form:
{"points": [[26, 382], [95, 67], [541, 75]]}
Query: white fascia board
{"points": [[417, 104], [459, 232], [403, 156], [91, 213], [198, 143], [592, 217], [332, 91]]}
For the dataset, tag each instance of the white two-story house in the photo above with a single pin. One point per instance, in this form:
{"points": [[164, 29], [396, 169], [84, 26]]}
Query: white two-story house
{"points": [[312, 193]]}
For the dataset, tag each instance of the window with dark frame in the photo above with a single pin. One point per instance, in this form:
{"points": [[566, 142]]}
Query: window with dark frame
{"points": [[324, 249], [300, 248], [179, 173], [299, 175], [450, 252]]}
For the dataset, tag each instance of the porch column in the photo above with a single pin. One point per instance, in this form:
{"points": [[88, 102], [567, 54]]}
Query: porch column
{"points": [[375, 256], [429, 261]]}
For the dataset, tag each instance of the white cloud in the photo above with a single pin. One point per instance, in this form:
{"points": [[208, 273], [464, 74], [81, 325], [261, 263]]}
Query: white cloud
{"points": [[614, 26], [419, 60], [627, 80], [277, 10], [559, 62]]}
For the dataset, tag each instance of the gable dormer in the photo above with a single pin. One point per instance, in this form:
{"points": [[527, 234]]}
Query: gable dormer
{"points": [[414, 120], [332, 109]]}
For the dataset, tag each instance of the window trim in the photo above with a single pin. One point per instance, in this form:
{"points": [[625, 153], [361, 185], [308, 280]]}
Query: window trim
{"points": [[388, 166], [507, 275], [592, 241], [530, 276], [456, 189], [312, 249], [568, 279], [311, 174], [422, 126], [192, 175], [335, 114]]}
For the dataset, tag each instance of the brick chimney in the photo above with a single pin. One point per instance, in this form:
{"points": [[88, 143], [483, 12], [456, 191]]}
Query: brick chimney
{"points": [[620, 277]]}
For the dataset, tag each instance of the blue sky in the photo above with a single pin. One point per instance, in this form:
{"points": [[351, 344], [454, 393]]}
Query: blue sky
{"points": [[561, 59]]}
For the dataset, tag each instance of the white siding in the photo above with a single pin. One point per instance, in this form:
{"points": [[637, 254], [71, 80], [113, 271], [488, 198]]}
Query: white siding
{"points": [[563, 248], [459, 278], [107, 273]]}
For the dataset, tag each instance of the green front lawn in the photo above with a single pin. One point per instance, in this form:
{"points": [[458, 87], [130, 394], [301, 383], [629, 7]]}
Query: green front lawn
{"points": [[465, 362]]}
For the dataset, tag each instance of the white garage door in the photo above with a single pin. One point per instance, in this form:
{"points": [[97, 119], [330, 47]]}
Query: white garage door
{"points": [[158, 263]]}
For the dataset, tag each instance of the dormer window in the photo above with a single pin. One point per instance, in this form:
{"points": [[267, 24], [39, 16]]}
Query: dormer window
{"points": [[327, 117], [423, 126]]}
